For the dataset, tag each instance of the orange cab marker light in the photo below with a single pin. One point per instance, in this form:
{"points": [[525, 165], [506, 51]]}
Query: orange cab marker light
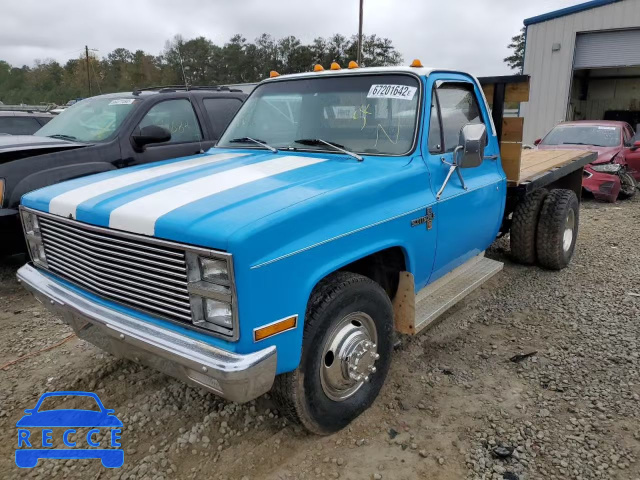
{"points": [[353, 64], [274, 328], [335, 66], [273, 73], [318, 68], [416, 63]]}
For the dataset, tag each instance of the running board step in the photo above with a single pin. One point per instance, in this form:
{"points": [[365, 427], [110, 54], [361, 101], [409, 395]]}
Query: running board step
{"points": [[436, 298]]}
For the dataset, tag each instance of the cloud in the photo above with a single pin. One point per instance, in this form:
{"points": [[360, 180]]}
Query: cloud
{"points": [[470, 35]]}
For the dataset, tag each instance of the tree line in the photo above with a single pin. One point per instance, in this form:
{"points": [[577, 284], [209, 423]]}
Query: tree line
{"points": [[199, 60]]}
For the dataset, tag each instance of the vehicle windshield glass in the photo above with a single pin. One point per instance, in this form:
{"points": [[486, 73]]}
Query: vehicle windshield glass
{"points": [[596, 135], [76, 402], [369, 114], [90, 120]]}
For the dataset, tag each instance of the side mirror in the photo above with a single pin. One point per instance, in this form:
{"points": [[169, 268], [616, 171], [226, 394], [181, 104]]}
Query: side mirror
{"points": [[537, 142], [150, 134], [636, 146], [470, 150]]}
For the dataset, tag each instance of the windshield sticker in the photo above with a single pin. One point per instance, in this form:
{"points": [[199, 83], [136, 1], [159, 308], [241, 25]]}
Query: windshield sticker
{"points": [[400, 92], [122, 101], [606, 128]]}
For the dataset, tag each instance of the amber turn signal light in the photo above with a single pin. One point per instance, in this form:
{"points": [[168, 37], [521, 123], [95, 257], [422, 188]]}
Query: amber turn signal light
{"points": [[318, 68], [275, 328], [353, 64], [273, 73], [335, 66]]}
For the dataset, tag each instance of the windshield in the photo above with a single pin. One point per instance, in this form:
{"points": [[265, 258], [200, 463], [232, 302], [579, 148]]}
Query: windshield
{"points": [[90, 120], [596, 135], [370, 114]]}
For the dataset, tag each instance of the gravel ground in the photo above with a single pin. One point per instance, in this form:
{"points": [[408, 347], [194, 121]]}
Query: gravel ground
{"points": [[454, 405]]}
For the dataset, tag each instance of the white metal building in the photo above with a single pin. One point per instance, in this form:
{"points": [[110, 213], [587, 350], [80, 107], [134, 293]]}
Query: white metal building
{"points": [[584, 63]]}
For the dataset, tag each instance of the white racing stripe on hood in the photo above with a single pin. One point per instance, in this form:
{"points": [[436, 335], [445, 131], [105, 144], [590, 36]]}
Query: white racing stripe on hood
{"points": [[140, 215], [66, 203]]}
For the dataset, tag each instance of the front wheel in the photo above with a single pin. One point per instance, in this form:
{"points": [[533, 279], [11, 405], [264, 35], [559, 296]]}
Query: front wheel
{"points": [[628, 185], [346, 354]]}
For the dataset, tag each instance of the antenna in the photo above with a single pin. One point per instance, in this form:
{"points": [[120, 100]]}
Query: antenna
{"points": [[186, 87]]}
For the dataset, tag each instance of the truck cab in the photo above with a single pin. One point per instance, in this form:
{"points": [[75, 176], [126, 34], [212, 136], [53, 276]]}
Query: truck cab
{"points": [[340, 206]]}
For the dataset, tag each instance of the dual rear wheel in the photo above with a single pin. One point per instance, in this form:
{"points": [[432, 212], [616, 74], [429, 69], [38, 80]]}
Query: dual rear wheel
{"points": [[544, 228]]}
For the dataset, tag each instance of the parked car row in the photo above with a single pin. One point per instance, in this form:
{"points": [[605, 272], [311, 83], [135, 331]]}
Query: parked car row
{"points": [[616, 172]]}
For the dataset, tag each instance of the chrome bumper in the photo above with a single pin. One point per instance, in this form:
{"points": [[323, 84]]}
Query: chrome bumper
{"points": [[236, 377]]}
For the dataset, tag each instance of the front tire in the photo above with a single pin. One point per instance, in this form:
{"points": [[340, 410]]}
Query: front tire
{"points": [[628, 186], [346, 354], [557, 229]]}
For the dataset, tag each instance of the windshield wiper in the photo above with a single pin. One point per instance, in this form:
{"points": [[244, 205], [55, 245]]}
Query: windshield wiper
{"points": [[575, 143], [337, 146], [62, 136], [257, 142]]}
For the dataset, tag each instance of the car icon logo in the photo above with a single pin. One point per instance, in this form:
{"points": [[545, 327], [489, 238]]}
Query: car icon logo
{"points": [[32, 447]]}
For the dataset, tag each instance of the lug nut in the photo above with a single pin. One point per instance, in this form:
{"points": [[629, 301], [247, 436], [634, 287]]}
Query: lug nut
{"points": [[372, 369], [376, 356], [366, 379]]}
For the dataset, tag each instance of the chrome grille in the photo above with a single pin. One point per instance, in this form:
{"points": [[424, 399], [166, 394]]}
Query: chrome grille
{"points": [[145, 276]]}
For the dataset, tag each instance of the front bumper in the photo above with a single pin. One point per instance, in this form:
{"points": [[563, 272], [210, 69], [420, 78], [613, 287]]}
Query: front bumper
{"points": [[233, 376], [604, 186]]}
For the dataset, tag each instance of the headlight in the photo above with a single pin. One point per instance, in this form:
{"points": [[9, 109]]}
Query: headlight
{"points": [[607, 168], [33, 237], [214, 270], [212, 293]]}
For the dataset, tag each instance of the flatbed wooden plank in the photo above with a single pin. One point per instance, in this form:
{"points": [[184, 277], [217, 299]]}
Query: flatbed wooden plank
{"points": [[536, 162], [512, 128]]}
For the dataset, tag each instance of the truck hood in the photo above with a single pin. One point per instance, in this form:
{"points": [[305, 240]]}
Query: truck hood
{"points": [[13, 147], [202, 200]]}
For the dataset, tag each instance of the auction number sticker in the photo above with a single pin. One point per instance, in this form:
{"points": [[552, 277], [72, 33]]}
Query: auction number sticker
{"points": [[400, 92], [122, 101]]}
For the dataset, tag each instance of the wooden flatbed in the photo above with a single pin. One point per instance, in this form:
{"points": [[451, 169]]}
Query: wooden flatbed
{"points": [[528, 169], [539, 168]]}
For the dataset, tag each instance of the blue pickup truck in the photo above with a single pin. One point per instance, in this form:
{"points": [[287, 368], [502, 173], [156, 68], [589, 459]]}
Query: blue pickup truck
{"points": [[339, 208]]}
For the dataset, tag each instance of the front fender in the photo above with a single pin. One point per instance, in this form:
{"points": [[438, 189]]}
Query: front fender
{"points": [[272, 291]]}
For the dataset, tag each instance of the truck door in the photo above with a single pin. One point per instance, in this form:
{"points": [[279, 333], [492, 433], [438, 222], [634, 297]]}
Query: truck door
{"points": [[468, 218], [176, 115]]}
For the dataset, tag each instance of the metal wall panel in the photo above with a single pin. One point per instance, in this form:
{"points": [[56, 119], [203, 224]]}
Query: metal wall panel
{"points": [[551, 71], [608, 49]]}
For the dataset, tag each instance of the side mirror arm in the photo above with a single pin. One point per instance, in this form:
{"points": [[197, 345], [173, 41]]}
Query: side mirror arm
{"points": [[452, 168]]}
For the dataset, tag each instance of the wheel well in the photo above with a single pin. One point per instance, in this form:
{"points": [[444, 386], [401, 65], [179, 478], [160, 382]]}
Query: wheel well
{"points": [[383, 267]]}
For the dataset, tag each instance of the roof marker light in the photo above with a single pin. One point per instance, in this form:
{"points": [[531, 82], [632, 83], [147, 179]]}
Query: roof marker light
{"points": [[335, 66], [318, 68], [273, 74], [416, 63], [353, 64]]}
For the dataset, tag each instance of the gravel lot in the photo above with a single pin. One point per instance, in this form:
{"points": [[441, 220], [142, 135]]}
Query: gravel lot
{"points": [[454, 403]]}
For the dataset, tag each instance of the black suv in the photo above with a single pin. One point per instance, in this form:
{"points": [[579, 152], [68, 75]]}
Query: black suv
{"points": [[106, 132]]}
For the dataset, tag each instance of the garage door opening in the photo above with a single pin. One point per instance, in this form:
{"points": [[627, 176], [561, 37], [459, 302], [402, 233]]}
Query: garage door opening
{"points": [[606, 77]]}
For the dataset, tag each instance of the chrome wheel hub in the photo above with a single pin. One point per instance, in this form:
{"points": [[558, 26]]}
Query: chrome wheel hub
{"points": [[349, 356], [569, 225]]}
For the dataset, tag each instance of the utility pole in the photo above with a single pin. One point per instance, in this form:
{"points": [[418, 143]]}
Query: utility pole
{"points": [[86, 53], [359, 60]]}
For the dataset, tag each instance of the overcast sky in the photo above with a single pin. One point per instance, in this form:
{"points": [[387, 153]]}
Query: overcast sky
{"points": [[464, 34]]}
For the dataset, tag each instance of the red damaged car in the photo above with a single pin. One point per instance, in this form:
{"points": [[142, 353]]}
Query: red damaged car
{"points": [[617, 169]]}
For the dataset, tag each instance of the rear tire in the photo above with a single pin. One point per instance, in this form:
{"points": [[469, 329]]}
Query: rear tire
{"points": [[557, 229], [628, 186], [524, 227], [324, 393]]}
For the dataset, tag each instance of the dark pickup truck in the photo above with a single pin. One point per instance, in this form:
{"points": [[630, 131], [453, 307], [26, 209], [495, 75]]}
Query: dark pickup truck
{"points": [[106, 132]]}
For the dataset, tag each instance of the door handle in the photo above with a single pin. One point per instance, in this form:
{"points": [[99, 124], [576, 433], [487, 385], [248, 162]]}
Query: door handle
{"points": [[491, 157]]}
